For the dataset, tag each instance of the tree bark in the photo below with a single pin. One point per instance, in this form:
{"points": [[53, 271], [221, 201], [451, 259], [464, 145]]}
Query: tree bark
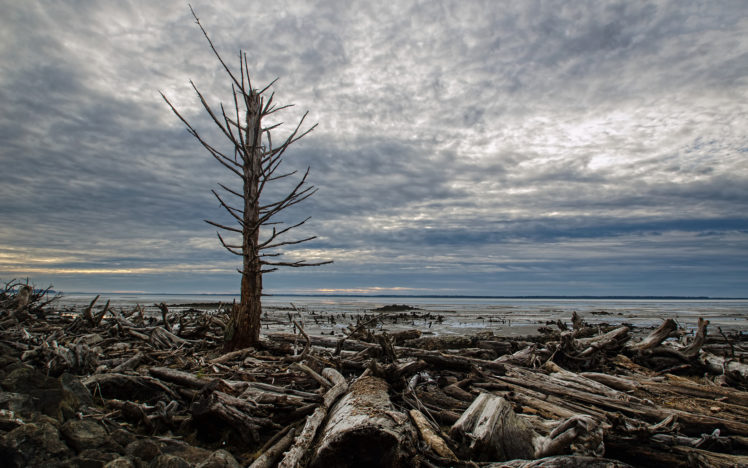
{"points": [[365, 430]]}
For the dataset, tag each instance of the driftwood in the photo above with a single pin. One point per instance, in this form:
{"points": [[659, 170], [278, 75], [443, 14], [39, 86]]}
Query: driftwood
{"points": [[731, 368], [664, 331], [304, 440], [570, 461], [567, 398], [429, 436], [271, 455], [489, 430], [364, 429]]}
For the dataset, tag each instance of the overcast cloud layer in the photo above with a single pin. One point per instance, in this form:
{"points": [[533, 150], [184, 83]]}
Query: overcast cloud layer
{"points": [[465, 147]]}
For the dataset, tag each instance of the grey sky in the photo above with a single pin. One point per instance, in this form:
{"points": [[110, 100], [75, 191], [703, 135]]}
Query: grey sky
{"points": [[466, 147]]}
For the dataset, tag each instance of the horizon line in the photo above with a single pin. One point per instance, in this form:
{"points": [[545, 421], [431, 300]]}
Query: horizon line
{"points": [[424, 296]]}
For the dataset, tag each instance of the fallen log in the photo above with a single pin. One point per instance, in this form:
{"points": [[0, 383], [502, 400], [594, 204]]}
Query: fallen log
{"points": [[365, 430], [304, 440], [730, 368], [619, 383], [697, 457], [489, 430], [611, 341]]}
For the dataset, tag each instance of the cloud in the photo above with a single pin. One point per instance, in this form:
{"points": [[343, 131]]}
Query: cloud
{"points": [[462, 146]]}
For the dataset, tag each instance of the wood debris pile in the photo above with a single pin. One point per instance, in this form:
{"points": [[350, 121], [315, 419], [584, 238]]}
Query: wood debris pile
{"points": [[119, 388]]}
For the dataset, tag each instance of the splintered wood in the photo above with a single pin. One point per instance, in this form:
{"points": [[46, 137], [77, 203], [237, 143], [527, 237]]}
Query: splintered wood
{"points": [[572, 396]]}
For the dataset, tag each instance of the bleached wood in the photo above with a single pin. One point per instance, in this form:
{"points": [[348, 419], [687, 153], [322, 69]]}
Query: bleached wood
{"points": [[364, 428], [489, 430]]}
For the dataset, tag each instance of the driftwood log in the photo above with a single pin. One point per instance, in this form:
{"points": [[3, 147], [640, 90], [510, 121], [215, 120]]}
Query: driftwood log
{"points": [[365, 430], [489, 430], [299, 451]]}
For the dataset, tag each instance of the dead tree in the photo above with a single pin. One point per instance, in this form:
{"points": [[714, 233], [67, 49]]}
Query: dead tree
{"points": [[255, 160]]}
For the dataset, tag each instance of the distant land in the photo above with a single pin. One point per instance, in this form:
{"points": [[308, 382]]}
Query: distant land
{"points": [[426, 296]]}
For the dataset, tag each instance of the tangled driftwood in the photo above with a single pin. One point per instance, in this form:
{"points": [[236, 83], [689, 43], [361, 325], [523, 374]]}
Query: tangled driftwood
{"points": [[154, 388]]}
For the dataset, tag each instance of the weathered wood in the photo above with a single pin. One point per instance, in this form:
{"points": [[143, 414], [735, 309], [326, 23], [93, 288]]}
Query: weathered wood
{"points": [[312, 373], [270, 456], [130, 363], [489, 430], [304, 440], [430, 437], [659, 335], [524, 357], [179, 377], [164, 316], [692, 350], [693, 422], [685, 386], [562, 461], [731, 368], [364, 429], [452, 361], [293, 457], [697, 457], [87, 311], [613, 340], [239, 354], [233, 411], [619, 383]]}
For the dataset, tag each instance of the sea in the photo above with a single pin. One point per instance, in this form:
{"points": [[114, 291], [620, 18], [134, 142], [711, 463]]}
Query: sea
{"points": [[468, 313]]}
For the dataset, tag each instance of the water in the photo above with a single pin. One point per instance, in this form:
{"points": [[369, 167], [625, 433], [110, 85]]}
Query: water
{"points": [[467, 315]]}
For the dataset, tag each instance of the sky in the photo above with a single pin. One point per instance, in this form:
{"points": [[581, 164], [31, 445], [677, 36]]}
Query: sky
{"points": [[463, 147]]}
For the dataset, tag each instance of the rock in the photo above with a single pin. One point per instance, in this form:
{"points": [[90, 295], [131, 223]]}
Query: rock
{"points": [[85, 434], [120, 462], [91, 459], [39, 418], [32, 445], [72, 384], [17, 403], [47, 393], [145, 449], [191, 454], [169, 461], [123, 437], [219, 459]]}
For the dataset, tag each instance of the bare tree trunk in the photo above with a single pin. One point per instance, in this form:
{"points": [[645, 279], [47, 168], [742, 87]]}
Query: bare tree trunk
{"points": [[245, 327], [246, 320]]}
